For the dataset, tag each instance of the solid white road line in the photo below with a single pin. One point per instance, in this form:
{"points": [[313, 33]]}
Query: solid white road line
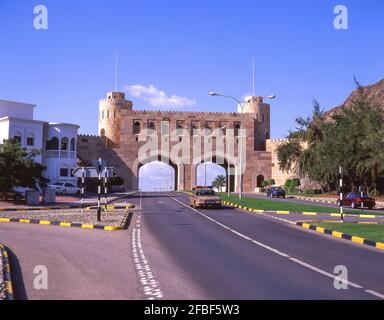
{"points": [[282, 254]]}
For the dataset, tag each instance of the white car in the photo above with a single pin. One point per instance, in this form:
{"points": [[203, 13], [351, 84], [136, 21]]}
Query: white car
{"points": [[62, 187]]}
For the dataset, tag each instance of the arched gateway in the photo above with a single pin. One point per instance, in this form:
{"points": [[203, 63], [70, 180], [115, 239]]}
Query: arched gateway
{"points": [[131, 138]]}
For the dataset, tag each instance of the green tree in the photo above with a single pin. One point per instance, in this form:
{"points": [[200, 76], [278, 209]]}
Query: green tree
{"points": [[295, 183], [265, 184], [271, 182], [287, 184], [18, 167], [351, 139], [219, 182]]}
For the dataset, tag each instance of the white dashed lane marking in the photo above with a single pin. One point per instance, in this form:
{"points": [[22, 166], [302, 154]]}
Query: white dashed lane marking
{"points": [[282, 254], [151, 287]]}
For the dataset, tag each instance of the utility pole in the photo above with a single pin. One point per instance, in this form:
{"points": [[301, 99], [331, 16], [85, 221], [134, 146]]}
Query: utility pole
{"points": [[82, 188], [99, 193], [341, 195], [106, 188]]}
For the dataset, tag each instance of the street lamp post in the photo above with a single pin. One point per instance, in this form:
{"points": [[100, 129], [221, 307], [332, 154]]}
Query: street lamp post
{"points": [[242, 105]]}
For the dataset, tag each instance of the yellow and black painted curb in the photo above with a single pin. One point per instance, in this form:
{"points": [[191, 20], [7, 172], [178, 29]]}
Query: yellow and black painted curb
{"points": [[341, 235], [6, 273], [39, 208], [114, 207], [64, 224], [363, 216]]}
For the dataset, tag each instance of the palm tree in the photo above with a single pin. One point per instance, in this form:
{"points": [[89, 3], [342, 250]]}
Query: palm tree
{"points": [[219, 182]]}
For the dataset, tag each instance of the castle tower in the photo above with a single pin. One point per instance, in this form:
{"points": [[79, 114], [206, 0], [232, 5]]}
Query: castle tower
{"points": [[260, 111], [110, 112]]}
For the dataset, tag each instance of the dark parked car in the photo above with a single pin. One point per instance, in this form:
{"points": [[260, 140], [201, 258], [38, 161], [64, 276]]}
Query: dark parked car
{"points": [[276, 192], [357, 200]]}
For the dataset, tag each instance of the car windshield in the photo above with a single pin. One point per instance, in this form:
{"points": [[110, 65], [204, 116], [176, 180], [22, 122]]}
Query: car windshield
{"points": [[205, 193], [58, 184]]}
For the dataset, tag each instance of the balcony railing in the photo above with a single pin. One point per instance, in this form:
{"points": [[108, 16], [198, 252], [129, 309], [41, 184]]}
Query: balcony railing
{"points": [[60, 154]]}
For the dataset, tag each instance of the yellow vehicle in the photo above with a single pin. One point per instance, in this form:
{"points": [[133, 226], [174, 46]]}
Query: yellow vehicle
{"points": [[204, 198]]}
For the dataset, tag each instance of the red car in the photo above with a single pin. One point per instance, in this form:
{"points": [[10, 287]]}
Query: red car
{"points": [[356, 200]]}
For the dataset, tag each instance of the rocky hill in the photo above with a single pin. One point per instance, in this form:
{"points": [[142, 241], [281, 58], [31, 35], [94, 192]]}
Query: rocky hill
{"points": [[375, 93]]}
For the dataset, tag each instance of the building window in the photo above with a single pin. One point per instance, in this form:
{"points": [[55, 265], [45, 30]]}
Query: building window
{"points": [[151, 125], [223, 128], [30, 140], [195, 126], [107, 114], [73, 144], [64, 172], [17, 137], [180, 126], [64, 144], [208, 128], [237, 127], [136, 127], [102, 133], [52, 144]]}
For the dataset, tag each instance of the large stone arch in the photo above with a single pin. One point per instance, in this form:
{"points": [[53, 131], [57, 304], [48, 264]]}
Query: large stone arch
{"points": [[229, 163], [177, 164]]}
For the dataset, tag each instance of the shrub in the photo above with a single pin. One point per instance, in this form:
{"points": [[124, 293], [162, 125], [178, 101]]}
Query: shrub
{"points": [[287, 184]]}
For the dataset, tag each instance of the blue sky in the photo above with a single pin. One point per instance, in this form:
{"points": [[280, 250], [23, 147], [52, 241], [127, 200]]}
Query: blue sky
{"points": [[158, 176], [186, 49]]}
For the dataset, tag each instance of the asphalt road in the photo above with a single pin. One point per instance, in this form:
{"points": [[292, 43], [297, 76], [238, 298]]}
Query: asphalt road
{"points": [[238, 255], [172, 251]]}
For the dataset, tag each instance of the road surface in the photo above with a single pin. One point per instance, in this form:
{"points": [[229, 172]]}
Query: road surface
{"points": [[172, 251]]}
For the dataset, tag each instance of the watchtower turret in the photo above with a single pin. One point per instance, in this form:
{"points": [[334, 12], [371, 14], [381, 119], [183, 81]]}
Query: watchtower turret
{"points": [[110, 113], [255, 107]]}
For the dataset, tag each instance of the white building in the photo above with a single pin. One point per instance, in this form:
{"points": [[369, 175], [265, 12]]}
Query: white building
{"points": [[56, 141]]}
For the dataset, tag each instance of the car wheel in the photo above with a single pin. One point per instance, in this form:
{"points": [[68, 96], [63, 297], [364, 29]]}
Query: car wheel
{"points": [[64, 192]]}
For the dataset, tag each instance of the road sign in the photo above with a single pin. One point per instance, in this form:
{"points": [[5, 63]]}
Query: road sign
{"points": [[96, 164], [91, 172]]}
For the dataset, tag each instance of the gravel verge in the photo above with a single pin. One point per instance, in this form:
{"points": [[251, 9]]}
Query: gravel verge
{"points": [[112, 218]]}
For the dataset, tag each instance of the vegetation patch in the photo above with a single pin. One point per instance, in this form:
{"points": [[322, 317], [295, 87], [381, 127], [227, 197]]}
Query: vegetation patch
{"points": [[270, 205], [374, 232]]}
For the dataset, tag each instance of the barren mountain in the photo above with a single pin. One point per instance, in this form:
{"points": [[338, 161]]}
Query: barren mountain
{"points": [[375, 93]]}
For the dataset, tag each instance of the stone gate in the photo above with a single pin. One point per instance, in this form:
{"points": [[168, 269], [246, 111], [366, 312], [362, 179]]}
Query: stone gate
{"points": [[130, 138]]}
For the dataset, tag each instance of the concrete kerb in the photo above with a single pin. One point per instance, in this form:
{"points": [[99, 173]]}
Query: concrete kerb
{"points": [[7, 279], [63, 224]]}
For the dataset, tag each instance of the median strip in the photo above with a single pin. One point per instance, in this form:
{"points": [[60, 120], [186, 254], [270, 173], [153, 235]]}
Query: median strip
{"points": [[304, 213], [341, 235], [113, 207], [65, 224]]}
